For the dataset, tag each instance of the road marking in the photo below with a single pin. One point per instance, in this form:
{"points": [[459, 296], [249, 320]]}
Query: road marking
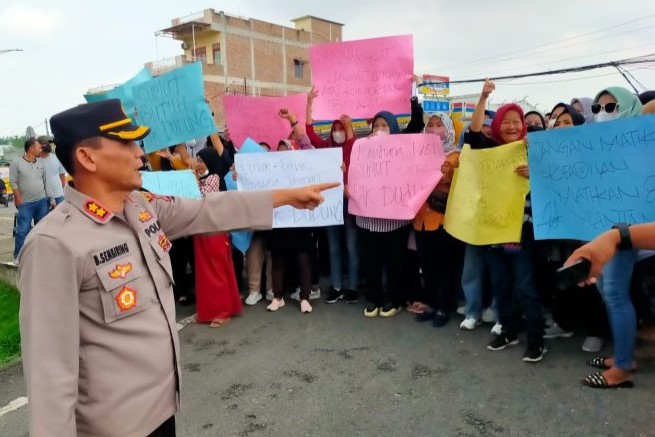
{"points": [[186, 322], [13, 406]]}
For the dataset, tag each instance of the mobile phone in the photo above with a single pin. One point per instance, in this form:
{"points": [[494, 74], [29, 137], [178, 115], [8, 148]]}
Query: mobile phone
{"points": [[573, 274]]}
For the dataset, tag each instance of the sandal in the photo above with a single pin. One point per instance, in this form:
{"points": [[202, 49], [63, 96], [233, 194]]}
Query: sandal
{"points": [[597, 380], [599, 363], [217, 323]]}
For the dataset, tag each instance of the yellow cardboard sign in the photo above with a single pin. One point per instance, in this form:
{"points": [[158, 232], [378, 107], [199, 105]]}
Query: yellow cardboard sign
{"points": [[487, 197]]}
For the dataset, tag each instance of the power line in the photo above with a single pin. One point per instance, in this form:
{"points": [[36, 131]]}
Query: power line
{"points": [[529, 49]]}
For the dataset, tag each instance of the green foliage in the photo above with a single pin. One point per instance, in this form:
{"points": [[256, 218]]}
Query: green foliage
{"points": [[9, 329]]}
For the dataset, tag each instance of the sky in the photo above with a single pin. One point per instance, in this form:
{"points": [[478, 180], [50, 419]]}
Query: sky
{"points": [[70, 46]]}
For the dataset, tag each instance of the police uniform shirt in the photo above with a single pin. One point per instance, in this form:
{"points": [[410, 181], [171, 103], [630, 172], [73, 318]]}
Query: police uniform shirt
{"points": [[100, 345]]}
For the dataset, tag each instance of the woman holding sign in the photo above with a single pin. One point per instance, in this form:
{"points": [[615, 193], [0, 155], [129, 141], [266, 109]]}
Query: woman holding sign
{"points": [[217, 293]]}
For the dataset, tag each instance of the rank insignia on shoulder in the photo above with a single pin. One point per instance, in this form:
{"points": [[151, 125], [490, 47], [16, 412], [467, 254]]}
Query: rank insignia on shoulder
{"points": [[150, 197], [95, 210], [126, 299], [121, 271], [164, 242], [145, 217]]}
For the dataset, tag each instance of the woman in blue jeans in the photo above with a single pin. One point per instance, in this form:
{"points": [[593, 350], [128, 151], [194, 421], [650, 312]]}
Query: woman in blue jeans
{"points": [[616, 267]]}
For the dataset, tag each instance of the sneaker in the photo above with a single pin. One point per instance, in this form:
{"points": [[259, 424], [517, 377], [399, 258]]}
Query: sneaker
{"points": [[497, 329], [556, 331], [534, 354], [253, 298], [390, 310], [334, 295], [469, 323], [593, 344], [502, 341], [314, 294], [351, 296], [426, 316], [14, 262], [305, 307], [275, 304], [372, 310], [269, 295], [488, 316], [440, 319], [461, 310]]}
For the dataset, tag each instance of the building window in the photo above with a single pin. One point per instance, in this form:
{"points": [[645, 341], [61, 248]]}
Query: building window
{"points": [[201, 54], [216, 50], [298, 66]]}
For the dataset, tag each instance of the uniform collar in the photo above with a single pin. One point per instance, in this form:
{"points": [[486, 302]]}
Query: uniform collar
{"points": [[90, 207]]}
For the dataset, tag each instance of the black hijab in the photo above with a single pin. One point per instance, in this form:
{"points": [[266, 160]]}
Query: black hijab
{"points": [[212, 161]]}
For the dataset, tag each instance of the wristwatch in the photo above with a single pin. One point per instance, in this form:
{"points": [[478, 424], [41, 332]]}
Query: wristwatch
{"points": [[624, 233]]}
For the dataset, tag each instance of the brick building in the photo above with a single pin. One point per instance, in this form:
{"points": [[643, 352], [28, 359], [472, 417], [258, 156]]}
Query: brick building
{"points": [[247, 56]]}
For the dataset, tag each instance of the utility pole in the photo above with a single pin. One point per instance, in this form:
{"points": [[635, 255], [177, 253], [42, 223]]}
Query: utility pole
{"points": [[47, 130]]}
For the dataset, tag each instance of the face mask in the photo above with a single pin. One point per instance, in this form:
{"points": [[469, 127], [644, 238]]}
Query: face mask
{"points": [[536, 128], [339, 136], [551, 123], [381, 132], [604, 116]]}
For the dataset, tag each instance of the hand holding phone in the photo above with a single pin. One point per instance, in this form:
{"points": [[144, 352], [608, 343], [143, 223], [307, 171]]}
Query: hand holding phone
{"points": [[574, 274]]}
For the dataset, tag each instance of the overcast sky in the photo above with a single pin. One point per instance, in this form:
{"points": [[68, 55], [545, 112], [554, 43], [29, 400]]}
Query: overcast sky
{"points": [[73, 45]]}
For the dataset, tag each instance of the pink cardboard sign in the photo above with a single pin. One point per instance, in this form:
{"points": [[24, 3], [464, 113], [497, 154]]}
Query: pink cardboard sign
{"points": [[256, 117], [391, 176], [361, 78]]}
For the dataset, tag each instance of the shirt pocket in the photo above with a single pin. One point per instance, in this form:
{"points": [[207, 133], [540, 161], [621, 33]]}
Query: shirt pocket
{"points": [[125, 289]]}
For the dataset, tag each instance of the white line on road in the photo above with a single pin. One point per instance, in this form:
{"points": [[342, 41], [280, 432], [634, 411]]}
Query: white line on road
{"points": [[13, 406]]}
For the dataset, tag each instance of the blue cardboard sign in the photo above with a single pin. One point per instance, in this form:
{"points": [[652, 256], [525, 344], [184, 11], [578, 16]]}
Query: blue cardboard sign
{"points": [[182, 183], [124, 92], [585, 179]]}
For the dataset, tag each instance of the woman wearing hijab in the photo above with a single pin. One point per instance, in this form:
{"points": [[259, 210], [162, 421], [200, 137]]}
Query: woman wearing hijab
{"points": [[509, 265], [217, 294], [341, 135], [612, 104], [557, 110], [384, 242], [535, 121], [440, 254], [583, 106]]}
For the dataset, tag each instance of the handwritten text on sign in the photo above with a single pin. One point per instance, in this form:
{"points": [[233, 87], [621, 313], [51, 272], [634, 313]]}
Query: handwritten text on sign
{"points": [[360, 78], [487, 198], [588, 178], [391, 176], [181, 183], [256, 117], [267, 171], [124, 92], [173, 106]]}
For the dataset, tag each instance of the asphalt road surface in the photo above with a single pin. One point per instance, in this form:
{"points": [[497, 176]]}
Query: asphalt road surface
{"points": [[336, 373]]}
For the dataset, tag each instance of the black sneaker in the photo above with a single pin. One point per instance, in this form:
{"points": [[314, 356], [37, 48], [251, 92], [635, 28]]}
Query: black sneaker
{"points": [[351, 296], [501, 341], [440, 319], [334, 296], [534, 353], [426, 316]]}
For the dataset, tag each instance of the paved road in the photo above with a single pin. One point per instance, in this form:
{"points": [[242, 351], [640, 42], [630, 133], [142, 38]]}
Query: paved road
{"points": [[6, 228], [335, 373]]}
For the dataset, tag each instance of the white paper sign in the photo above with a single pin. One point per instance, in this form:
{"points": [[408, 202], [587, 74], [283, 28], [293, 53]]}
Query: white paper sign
{"points": [[290, 169]]}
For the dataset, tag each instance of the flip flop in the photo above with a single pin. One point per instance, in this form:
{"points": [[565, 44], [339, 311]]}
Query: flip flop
{"points": [[218, 323], [599, 363], [597, 380]]}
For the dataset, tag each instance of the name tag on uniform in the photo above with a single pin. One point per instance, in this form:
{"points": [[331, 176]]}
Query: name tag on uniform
{"points": [[110, 254]]}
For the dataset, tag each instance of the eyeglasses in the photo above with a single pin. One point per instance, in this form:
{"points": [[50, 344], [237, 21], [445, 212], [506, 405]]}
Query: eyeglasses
{"points": [[609, 108]]}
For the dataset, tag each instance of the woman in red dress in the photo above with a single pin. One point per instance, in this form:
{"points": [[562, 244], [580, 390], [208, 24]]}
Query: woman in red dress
{"points": [[217, 293]]}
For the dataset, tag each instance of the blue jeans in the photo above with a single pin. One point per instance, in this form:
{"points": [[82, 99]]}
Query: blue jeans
{"points": [[513, 273], [58, 200], [27, 212], [336, 236], [614, 286], [473, 279]]}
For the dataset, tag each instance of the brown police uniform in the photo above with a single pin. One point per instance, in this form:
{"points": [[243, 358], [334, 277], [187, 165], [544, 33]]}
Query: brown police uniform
{"points": [[100, 345], [101, 354]]}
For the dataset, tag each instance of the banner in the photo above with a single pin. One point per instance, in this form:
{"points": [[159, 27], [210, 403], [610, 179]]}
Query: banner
{"points": [[588, 178], [487, 198], [361, 78], [435, 85], [391, 176], [268, 171], [181, 183], [124, 92], [242, 239], [173, 106], [256, 117]]}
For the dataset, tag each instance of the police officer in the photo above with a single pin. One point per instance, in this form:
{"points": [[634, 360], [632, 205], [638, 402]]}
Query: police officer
{"points": [[99, 339]]}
